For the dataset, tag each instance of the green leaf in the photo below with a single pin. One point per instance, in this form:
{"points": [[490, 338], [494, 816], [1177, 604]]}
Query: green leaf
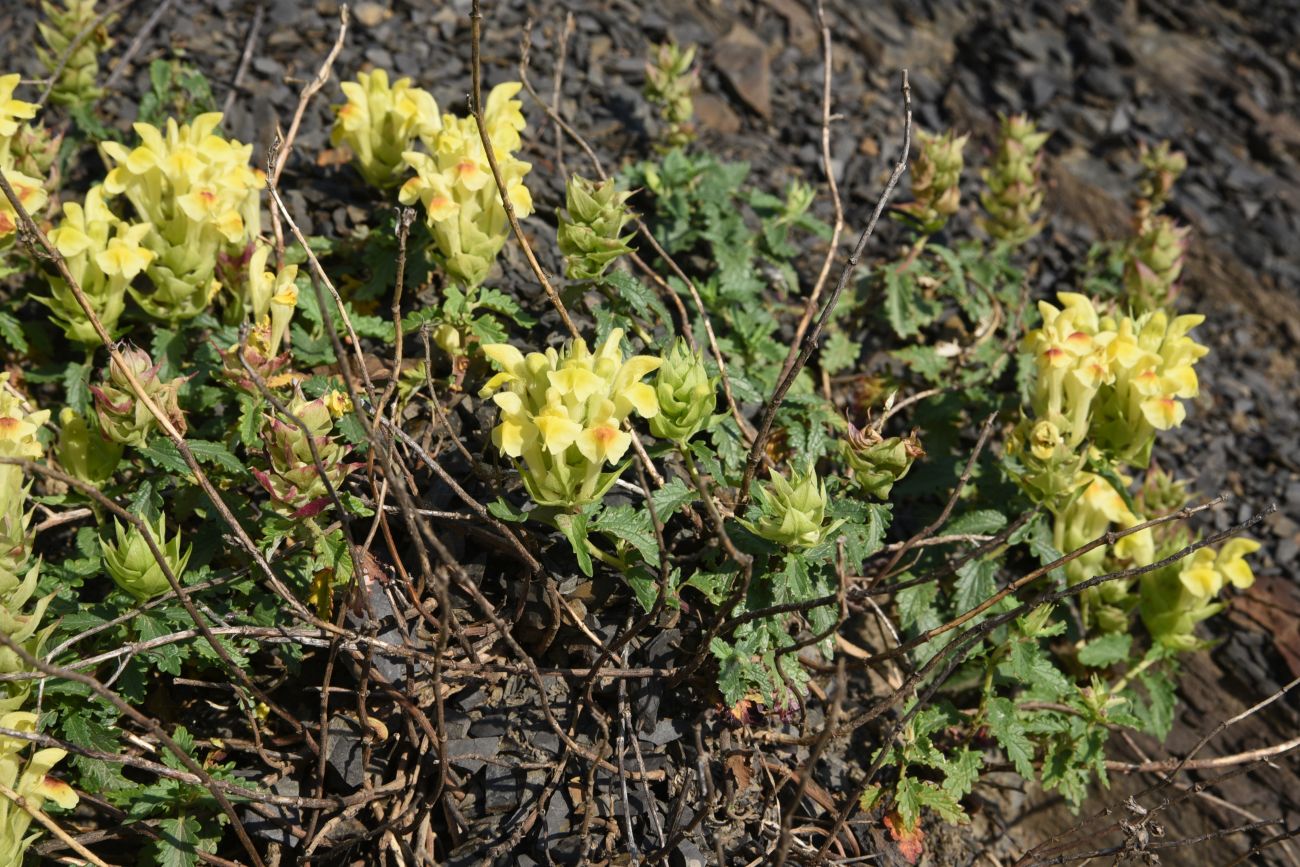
{"points": [[672, 496], [925, 360], [507, 511], [961, 771], [980, 521], [905, 308], [574, 528], [1009, 731], [213, 453], [1028, 664], [627, 525], [251, 411], [974, 585], [178, 842], [1162, 698], [908, 798], [943, 802], [839, 353], [1106, 650], [916, 609], [163, 454], [76, 386], [12, 331]]}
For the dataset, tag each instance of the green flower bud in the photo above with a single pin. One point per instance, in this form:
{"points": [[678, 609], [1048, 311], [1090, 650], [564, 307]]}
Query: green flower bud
{"points": [[594, 215], [687, 395], [60, 29], [296, 486], [669, 83], [1014, 195], [936, 172], [792, 513], [1155, 263], [877, 462], [32, 150], [122, 417], [132, 565], [1161, 493], [1161, 168], [84, 452]]}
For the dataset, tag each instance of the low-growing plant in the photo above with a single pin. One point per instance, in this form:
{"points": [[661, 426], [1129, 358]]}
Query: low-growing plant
{"points": [[713, 470]]}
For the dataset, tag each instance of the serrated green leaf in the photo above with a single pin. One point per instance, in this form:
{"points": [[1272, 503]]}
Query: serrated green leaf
{"points": [[961, 771], [916, 609], [213, 453], [1106, 650], [974, 585], [906, 309], [12, 331], [671, 497], [925, 360], [908, 799], [631, 526], [943, 802], [574, 528], [178, 842], [163, 454], [980, 521], [839, 353], [1009, 731]]}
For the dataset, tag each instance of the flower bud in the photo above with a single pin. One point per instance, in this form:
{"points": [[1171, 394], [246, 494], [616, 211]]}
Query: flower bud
{"points": [[274, 370], [124, 418], [936, 172], [589, 226], [1155, 263], [792, 513], [687, 395], [133, 567], [73, 41], [85, 453], [291, 477], [669, 84], [877, 462], [1014, 192], [1161, 168], [32, 150]]}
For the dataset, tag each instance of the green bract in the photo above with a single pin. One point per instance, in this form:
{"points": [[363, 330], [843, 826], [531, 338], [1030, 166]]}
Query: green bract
{"points": [[877, 462], [687, 394], [133, 567], [936, 172], [83, 451], [296, 486], [122, 417], [1015, 195], [594, 215], [74, 39], [792, 513], [669, 82]]}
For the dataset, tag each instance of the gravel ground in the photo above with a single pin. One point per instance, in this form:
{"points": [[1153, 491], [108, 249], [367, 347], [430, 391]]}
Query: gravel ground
{"points": [[1219, 80]]}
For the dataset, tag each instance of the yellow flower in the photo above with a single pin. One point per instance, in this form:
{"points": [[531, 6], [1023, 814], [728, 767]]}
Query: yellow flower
{"points": [[562, 415], [11, 110]]}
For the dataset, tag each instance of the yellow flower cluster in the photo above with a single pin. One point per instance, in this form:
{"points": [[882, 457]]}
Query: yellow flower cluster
{"points": [[1088, 516], [378, 123], [454, 183], [1177, 597], [104, 254], [30, 778], [30, 191], [271, 297], [200, 198], [1116, 379], [562, 415]]}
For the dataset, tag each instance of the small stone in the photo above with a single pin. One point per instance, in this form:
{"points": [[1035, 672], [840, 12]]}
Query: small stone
{"points": [[371, 14], [741, 57]]}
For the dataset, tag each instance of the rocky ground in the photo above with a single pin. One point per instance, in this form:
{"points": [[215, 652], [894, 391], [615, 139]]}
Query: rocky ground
{"points": [[1218, 80]]}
